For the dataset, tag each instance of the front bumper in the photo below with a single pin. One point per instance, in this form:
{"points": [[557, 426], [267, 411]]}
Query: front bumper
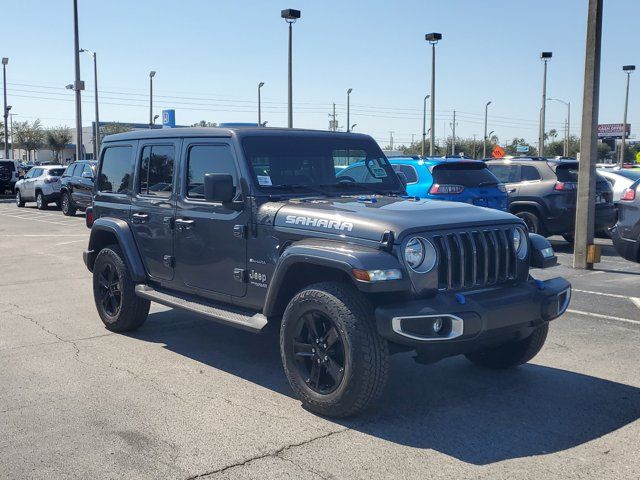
{"points": [[471, 319]]}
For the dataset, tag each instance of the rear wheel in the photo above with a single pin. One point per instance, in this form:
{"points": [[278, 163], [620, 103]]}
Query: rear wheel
{"points": [[334, 359], [119, 307], [531, 220], [40, 203], [67, 205], [513, 353], [19, 201]]}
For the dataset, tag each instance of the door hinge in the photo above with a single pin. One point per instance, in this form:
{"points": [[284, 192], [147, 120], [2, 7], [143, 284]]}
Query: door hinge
{"points": [[240, 275], [169, 261], [240, 231]]}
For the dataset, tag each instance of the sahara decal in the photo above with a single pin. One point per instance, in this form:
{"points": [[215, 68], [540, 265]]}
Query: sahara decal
{"points": [[319, 222]]}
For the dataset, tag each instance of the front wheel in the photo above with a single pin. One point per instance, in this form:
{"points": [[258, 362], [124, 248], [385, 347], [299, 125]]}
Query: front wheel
{"points": [[513, 353], [334, 359], [531, 220], [19, 201], [40, 203], [67, 206], [120, 309]]}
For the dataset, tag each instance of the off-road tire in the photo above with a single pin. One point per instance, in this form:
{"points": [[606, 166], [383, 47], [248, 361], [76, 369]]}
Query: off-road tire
{"points": [[19, 201], [366, 353], [40, 202], [133, 310], [66, 205], [513, 353], [532, 220]]}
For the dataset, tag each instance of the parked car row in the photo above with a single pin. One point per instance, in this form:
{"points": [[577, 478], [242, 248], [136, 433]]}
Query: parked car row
{"points": [[69, 188]]}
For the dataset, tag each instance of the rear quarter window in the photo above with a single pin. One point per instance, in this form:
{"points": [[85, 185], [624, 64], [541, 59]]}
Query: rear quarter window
{"points": [[409, 172], [115, 171], [465, 174], [567, 173]]}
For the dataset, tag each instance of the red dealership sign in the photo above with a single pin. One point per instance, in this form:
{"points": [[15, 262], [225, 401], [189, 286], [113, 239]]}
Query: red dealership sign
{"points": [[612, 130]]}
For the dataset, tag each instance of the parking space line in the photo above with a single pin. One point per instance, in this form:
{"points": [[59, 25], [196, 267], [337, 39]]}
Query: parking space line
{"points": [[613, 295], [606, 317], [39, 220]]}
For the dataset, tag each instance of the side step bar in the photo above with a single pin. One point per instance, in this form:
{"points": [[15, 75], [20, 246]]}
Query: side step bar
{"points": [[233, 316]]}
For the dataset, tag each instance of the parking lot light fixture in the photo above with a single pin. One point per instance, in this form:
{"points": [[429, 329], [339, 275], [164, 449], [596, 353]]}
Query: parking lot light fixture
{"points": [[545, 57], [424, 123], [433, 38], [5, 61], [628, 69], [484, 143], [152, 74], [290, 16], [260, 85], [348, 108], [96, 138]]}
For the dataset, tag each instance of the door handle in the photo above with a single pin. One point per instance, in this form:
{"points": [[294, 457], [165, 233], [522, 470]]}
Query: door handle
{"points": [[184, 223], [140, 217]]}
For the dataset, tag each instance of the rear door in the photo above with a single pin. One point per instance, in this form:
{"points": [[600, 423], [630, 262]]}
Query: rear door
{"points": [[210, 245], [153, 205]]}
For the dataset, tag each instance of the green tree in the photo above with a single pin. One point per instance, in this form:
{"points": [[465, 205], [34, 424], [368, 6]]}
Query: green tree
{"points": [[204, 123], [29, 136], [57, 139], [113, 128]]}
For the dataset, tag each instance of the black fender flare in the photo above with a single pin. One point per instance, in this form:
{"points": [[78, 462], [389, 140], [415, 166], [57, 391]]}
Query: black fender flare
{"points": [[341, 256], [513, 206], [124, 237]]}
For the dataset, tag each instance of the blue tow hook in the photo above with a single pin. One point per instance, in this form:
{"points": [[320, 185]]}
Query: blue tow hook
{"points": [[460, 298]]}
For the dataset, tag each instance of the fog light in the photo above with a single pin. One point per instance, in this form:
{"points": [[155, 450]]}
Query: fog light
{"points": [[437, 325]]}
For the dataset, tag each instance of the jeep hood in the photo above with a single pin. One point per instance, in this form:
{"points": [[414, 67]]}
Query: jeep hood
{"points": [[368, 218]]}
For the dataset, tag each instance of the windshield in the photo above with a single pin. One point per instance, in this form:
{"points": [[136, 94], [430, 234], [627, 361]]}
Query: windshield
{"points": [[465, 174], [55, 172], [319, 164]]}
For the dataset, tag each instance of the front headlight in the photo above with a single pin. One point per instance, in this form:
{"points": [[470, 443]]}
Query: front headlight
{"points": [[520, 244], [420, 255]]}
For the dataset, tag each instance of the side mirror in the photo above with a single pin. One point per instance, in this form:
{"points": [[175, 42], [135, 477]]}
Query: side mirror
{"points": [[542, 255], [218, 187]]}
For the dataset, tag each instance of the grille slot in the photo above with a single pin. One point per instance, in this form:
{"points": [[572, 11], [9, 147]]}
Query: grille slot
{"points": [[475, 258]]}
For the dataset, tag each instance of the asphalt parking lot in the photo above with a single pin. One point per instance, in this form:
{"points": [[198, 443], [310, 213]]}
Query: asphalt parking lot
{"points": [[185, 398]]}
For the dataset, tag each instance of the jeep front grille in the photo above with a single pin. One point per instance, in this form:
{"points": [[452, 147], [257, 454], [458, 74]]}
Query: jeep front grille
{"points": [[475, 258]]}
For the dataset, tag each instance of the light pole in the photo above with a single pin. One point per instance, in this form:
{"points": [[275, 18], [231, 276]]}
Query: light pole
{"points": [[96, 138], [568, 129], [152, 74], [626, 69], [433, 38], [424, 122], [545, 57], [13, 153], [5, 60], [290, 16], [260, 85], [78, 84], [484, 143], [348, 108]]}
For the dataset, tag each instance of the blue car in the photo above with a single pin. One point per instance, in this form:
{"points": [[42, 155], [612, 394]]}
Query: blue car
{"points": [[453, 179]]}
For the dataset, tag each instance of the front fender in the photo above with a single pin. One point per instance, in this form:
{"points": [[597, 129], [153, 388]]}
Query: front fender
{"points": [[344, 257], [103, 232]]}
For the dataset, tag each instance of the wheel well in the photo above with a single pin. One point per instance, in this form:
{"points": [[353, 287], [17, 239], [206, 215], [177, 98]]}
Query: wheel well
{"points": [[99, 240], [525, 208], [302, 275]]}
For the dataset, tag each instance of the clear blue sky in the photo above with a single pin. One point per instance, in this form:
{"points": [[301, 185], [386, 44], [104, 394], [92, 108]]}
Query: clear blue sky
{"points": [[210, 56]]}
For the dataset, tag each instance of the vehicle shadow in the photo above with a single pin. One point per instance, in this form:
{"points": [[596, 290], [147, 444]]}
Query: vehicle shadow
{"points": [[477, 416]]}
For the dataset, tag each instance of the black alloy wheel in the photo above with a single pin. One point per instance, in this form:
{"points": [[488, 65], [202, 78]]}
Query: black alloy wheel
{"points": [[110, 289], [319, 352]]}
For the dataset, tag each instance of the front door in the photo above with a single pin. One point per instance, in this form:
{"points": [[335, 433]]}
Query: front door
{"points": [[210, 244], [83, 187], [29, 187], [153, 206]]}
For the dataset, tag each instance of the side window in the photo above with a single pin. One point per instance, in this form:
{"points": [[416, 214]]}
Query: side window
{"points": [[506, 173], [203, 159], [86, 169], [69, 171], [36, 172], [115, 171], [30, 174], [156, 170], [530, 173], [359, 174]]}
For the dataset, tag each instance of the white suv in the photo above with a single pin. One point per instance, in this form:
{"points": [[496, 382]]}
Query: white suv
{"points": [[42, 184], [9, 173]]}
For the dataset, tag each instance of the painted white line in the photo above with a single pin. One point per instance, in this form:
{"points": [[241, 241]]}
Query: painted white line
{"points": [[614, 295], [46, 235], [606, 317], [636, 301], [72, 241]]}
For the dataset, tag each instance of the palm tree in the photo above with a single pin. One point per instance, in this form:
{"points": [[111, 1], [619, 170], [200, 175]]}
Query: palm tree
{"points": [[57, 139]]}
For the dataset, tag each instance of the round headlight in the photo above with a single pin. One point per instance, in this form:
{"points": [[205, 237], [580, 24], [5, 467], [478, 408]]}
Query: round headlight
{"points": [[420, 255], [520, 244], [414, 252]]}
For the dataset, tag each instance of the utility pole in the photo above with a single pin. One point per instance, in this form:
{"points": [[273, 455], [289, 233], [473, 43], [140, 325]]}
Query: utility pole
{"points": [[484, 143], [391, 141], [453, 135], [626, 69], [348, 108], [333, 123], [474, 145], [584, 250], [260, 85], [5, 60], [152, 74], [433, 38], [78, 85], [545, 57]]}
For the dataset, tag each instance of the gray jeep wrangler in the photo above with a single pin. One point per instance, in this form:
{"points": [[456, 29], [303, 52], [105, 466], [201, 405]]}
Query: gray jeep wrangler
{"points": [[257, 226]]}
